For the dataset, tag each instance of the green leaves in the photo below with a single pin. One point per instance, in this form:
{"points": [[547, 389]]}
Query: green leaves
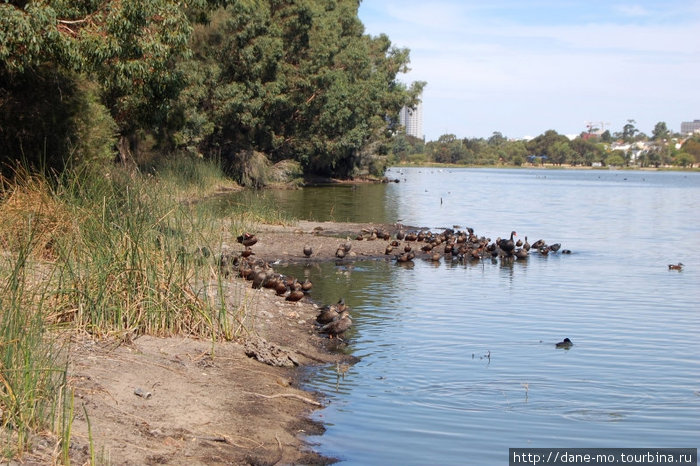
{"points": [[292, 79]]}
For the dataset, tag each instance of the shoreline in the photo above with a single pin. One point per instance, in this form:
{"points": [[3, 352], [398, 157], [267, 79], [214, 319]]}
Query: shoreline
{"points": [[181, 400]]}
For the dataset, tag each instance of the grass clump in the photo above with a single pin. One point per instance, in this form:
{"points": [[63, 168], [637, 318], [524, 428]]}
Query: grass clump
{"points": [[112, 253]]}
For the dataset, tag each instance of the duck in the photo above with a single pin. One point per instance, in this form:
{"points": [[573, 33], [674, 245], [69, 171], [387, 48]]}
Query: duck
{"points": [[678, 266], [341, 306], [339, 326], [340, 252], [526, 245], [247, 239], [388, 249], [565, 344], [294, 295], [328, 314], [521, 253], [308, 250], [247, 252], [306, 286], [405, 257], [538, 244], [280, 287]]}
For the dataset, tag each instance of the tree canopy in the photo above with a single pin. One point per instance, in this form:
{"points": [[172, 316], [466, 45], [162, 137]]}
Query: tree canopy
{"points": [[291, 79]]}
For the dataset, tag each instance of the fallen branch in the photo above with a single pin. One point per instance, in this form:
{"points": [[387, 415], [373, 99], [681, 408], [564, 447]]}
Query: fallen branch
{"points": [[288, 395]]}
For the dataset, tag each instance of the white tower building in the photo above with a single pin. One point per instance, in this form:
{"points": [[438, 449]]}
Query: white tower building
{"points": [[412, 120]]}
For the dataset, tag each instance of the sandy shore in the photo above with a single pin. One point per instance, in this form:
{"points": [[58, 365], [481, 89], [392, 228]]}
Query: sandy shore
{"points": [[180, 400]]}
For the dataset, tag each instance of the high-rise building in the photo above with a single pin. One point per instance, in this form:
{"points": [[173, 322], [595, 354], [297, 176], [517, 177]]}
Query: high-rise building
{"points": [[412, 120], [689, 127]]}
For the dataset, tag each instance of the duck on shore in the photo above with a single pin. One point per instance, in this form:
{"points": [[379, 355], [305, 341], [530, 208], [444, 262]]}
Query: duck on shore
{"points": [[338, 326]]}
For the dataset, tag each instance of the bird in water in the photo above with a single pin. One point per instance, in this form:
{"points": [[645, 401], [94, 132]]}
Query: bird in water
{"points": [[521, 253], [565, 344], [507, 245], [678, 266]]}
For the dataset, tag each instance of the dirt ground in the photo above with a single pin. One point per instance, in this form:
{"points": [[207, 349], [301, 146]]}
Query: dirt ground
{"points": [[179, 400]]}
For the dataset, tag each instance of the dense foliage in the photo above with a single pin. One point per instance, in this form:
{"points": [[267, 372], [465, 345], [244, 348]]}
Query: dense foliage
{"points": [[219, 79]]}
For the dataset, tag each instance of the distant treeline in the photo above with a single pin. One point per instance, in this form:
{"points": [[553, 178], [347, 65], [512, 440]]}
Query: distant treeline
{"points": [[628, 147], [243, 82]]}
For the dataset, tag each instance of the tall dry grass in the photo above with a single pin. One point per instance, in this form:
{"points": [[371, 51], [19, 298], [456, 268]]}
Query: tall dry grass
{"points": [[112, 253]]}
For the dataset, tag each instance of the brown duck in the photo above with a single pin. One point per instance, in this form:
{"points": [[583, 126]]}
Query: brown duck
{"points": [[294, 295], [339, 326], [247, 239]]}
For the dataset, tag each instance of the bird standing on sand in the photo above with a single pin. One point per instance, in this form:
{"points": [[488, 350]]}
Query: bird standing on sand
{"points": [[308, 251], [338, 326], [247, 239]]}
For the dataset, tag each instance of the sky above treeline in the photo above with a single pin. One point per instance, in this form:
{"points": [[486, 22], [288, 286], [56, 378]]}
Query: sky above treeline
{"points": [[523, 67]]}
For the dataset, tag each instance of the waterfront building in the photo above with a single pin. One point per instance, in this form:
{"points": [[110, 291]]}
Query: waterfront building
{"points": [[690, 127], [412, 120]]}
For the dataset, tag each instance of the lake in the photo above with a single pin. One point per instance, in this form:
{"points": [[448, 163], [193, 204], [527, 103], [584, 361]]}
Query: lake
{"points": [[457, 363]]}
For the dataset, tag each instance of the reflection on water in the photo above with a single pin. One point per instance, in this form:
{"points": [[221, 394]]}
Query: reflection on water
{"points": [[457, 361], [342, 203]]}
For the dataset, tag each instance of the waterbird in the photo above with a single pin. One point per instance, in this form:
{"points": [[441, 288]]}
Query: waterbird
{"points": [[338, 326], [308, 251], [247, 239], [678, 266], [565, 344]]}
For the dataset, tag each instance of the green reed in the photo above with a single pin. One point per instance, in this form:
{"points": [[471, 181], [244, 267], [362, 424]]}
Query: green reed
{"points": [[116, 253]]}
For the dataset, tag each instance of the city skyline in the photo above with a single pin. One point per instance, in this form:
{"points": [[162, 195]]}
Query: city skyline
{"points": [[522, 68]]}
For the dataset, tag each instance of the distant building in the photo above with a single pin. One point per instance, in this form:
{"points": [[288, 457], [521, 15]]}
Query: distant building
{"points": [[689, 127], [412, 120]]}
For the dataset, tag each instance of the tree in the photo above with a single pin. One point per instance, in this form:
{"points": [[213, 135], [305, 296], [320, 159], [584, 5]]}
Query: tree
{"points": [[128, 47], [585, 151], [692, 147], [684, 159], [296, 80], [560, 152], [628, 131], [544, 143], [660, 132], [615, 159], [497, 139]]}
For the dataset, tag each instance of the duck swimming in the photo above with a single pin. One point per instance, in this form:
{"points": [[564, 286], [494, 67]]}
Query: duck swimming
{"points": [[678, 266], [565, 344]]}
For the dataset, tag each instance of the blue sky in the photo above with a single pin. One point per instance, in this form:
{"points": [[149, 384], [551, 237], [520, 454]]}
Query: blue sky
{"points": [[523, 67]]}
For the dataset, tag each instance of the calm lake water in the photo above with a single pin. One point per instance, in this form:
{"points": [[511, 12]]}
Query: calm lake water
{"points": [[457, 362]]}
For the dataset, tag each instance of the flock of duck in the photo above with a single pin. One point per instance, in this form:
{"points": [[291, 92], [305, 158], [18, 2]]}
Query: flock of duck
{"points": [[466, 245], [334, 320]]}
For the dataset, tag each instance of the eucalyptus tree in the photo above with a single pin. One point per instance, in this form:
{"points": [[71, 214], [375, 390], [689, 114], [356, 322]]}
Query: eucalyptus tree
{"points": [[660, 131], [295, 80], [128, 48]]}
